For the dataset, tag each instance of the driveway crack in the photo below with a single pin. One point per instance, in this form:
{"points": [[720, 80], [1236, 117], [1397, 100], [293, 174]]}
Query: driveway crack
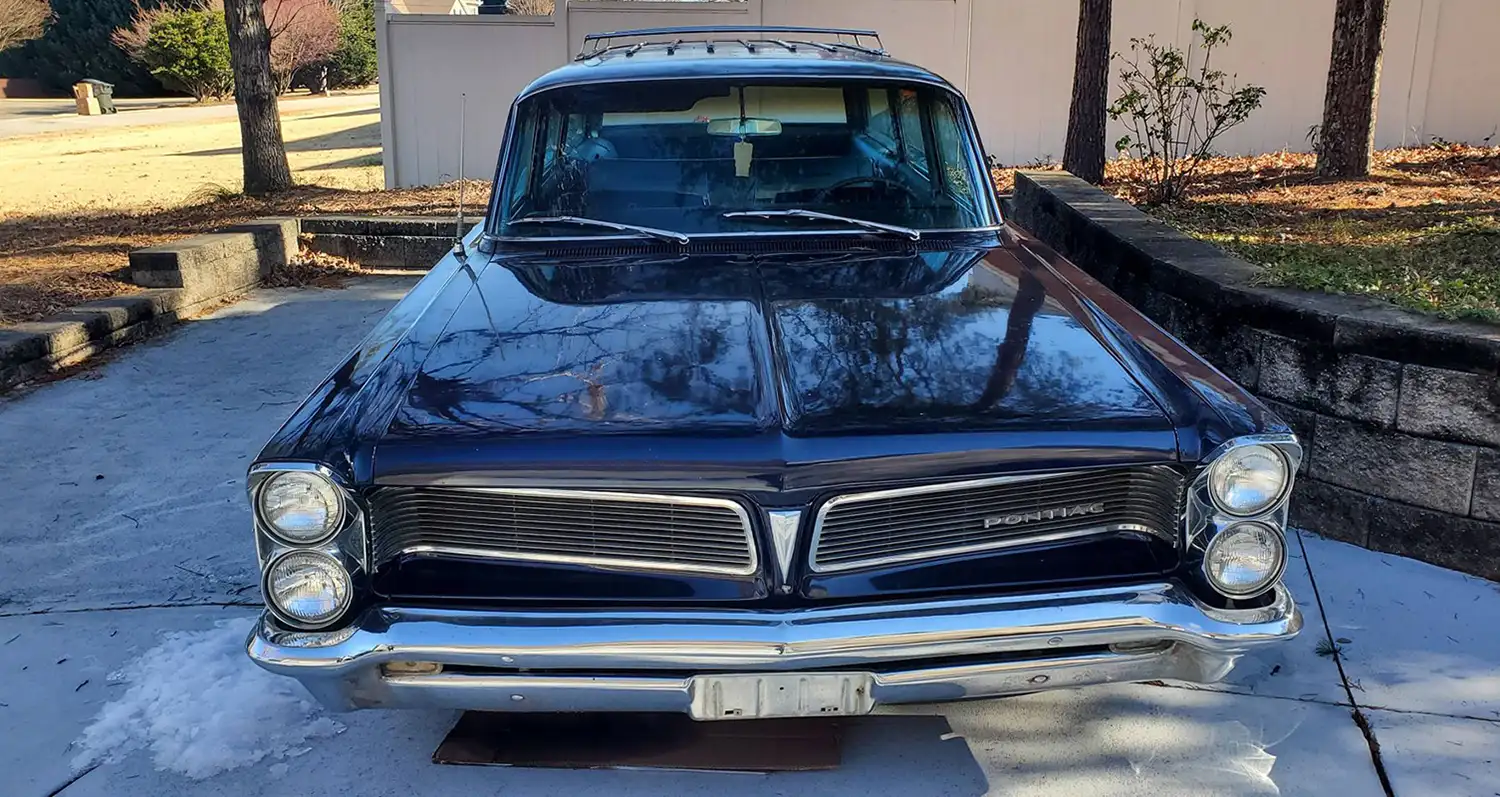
{"points": [[1360, 720], [77, 776], [134, 607]]}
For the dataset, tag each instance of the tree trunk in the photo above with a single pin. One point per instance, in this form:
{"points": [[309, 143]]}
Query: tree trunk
{"points": [[1083, 155], [1347, 137], [261, 147]]}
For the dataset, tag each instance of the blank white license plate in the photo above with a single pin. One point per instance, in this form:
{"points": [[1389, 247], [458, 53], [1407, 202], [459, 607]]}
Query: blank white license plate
{"points": [[737, 697]]}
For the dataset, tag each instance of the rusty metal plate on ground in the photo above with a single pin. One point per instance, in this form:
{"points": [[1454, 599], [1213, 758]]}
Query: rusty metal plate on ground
{"points": [[640, 741]]}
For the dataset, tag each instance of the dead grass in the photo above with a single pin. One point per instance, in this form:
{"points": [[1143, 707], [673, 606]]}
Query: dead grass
{"points": [[1421, 231], [50, 262]]}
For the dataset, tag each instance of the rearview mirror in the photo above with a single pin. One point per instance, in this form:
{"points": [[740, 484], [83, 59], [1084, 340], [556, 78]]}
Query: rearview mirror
{"points": [[744, 127]]}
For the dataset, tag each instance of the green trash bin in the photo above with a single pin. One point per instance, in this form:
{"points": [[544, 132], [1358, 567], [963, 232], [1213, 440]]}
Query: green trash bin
{"points": [[104, 93]]}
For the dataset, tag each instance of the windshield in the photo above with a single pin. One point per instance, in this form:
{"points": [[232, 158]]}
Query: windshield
{"points": [[679, 155]]}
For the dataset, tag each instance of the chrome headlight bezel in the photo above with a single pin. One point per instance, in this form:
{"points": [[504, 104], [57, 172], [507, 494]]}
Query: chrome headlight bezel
{"points": [[1206, 519], [1228, 458], [336, 524], [273, 604]]}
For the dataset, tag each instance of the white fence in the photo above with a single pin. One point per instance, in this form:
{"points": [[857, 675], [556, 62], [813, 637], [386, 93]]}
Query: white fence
{"points": [[1014, 59]]}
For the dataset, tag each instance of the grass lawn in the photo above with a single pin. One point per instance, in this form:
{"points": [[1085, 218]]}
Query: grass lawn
{"points": [[1421, 231]]}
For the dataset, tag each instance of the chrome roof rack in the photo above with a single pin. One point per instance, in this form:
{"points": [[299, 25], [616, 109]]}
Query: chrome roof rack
{"points": [[777, 36]]}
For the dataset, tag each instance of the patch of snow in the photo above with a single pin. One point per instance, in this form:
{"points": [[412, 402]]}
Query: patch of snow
{"points": [[200, 707]]}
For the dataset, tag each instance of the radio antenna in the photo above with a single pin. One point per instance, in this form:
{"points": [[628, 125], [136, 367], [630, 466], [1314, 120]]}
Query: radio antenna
{"points": [[458, 234]]}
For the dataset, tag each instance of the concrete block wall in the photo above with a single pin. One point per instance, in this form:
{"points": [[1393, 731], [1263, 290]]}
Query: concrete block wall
{"points": [[1399, 412]]}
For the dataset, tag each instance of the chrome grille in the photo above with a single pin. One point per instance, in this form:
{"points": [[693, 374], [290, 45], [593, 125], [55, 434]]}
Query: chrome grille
{"points": [[948, 519], [645, 532]]}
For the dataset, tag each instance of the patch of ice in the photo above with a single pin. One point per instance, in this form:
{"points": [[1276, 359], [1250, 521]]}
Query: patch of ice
{"points": [[200, 707]]}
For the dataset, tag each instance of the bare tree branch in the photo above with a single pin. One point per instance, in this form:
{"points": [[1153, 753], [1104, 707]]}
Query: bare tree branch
{"points": [[22, 20]]}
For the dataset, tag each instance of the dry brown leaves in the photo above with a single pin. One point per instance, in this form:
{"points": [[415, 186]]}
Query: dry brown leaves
{"points": [[48, 263]]}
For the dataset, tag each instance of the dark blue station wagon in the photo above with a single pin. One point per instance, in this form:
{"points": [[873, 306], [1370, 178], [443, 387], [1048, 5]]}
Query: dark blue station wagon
{"points": [[744, 401]]}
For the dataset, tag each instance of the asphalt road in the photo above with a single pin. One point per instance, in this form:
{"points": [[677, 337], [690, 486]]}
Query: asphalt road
{"points": [[32, 117], [127, 551]]}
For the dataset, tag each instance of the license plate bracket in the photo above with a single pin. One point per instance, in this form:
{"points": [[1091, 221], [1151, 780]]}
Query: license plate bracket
{"points": [[768, 695]]}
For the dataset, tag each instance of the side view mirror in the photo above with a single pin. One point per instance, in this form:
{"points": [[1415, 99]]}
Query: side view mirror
{"points": [[741, 128]]}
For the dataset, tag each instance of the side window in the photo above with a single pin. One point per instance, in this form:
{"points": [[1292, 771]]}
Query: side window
{"points": [[882, 126], [913, 140], [950, 147]]}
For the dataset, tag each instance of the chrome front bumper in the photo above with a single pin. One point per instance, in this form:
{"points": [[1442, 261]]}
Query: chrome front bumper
{"points": [[669, 660]]}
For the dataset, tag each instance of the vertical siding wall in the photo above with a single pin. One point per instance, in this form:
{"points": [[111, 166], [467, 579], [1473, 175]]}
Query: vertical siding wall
{"points": [[1014, 59]]}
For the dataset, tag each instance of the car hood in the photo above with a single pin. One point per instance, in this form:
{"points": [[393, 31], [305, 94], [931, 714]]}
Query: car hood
{"points": [[778, 350]]}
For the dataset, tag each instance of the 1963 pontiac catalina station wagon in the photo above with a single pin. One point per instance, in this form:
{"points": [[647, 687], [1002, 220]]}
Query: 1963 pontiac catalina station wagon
{"points": [[745, 402]]}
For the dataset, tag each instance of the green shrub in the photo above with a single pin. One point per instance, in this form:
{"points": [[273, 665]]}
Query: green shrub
{"points": [[1175, 105], [353, 63], [189, 50], [76, 45]]}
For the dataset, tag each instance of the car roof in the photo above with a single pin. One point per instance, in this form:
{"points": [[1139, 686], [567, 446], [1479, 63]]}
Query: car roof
{"points": [[731, 59]]}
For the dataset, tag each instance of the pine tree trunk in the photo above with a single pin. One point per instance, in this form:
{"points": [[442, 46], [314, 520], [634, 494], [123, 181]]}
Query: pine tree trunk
{"points": [[1083, 155], [1347, 137], [261, 147]]}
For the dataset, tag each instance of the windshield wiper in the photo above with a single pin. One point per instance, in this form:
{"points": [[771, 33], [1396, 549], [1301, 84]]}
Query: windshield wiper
{"points": [[799, 213], [644, 232]]}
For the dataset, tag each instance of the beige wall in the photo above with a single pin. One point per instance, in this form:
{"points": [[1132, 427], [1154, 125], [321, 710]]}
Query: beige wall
{"points": [[1014, 59]]}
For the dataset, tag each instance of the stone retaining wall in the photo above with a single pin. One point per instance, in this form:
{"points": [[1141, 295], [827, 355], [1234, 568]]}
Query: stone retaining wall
{"points": [[1399, 412], [187, 276], [182, 278]]}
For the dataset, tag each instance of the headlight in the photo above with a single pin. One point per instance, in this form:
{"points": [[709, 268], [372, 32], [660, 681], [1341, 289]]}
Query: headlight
{"points": [[1244, 559], [308, 588], [301, 508], [1248, 480]]}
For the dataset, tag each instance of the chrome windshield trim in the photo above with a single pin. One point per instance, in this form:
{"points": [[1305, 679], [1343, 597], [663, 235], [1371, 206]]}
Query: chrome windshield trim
{"points": [[670, 236], [752, 550], [924, 78], [1169, 535], [491, 239], [800, 213]]}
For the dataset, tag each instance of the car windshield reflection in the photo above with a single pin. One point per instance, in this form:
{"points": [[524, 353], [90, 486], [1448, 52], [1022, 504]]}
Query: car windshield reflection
{"points": [[702, 156]]}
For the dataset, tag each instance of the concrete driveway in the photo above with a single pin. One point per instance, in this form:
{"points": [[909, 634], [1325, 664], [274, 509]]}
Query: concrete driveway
{"points": [[127, 563]]}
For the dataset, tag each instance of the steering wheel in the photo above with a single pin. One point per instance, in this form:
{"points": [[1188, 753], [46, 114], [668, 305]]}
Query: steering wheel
{"points": [[881, 185]]}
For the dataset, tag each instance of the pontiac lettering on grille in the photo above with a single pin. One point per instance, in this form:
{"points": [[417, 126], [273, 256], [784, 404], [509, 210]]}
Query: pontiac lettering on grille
{"points": [[1051, 513]]}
